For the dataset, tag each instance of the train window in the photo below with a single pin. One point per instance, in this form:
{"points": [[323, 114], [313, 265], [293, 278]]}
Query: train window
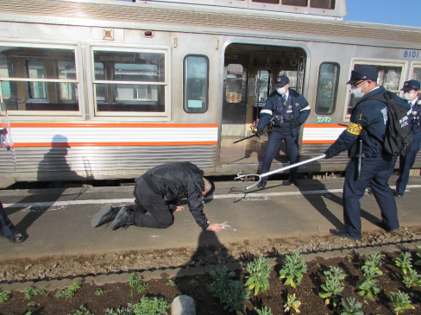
{"points": [[196, 84], [388, 76], [262, 87], [323, 4], [267, 1], [129, 81], [416, 73], [327, 88], [301, 3], [38, 79], [234, 83]]}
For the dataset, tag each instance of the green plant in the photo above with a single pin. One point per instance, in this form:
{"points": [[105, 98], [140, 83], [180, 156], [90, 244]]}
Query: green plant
{"points": [[351, 307], [171, 282], [120, 311], [193, 283], [82, 311], [259, 271], [293, 269], [137, 284], [404, 261], [292, 304], [231, 292], [368, 288], [32, 303], [332, 287], [264, 311], [151, 306], [401, 302], [374, 261], [70, 291], [4, 297], [100, 292], [412, 279], [31, 291]]}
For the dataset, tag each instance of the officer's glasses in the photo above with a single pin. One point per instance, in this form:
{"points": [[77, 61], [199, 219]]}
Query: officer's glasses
{"points": [[355, 85]]}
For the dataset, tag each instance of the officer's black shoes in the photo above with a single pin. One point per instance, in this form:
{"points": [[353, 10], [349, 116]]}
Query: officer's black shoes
{"points": [[293, 182], [106, 214], [121, 218], [16, 237], [262, 184], [343, 233]]}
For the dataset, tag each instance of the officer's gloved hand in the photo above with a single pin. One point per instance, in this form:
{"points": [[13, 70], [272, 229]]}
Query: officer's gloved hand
{"points": [[328, 154], [259, 132], [295, 124]]}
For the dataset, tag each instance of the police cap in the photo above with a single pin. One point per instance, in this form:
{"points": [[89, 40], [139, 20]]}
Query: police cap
{"points": [[411, 85], [363, 73], [281, 81]]}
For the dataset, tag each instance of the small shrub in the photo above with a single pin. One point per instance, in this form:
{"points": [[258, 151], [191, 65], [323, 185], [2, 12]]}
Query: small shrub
{"points": [[151, 306], [70, 291], [264, 311], [137, 284], [259, 271], [120, 311], [293, 269], [373, 262], [4, 297], [404, 261], [172, 283], [31, 291], [368, 288], [351, 307], [292, 304], [100, 292], [401, 302], [332, 287], [412, 279]]}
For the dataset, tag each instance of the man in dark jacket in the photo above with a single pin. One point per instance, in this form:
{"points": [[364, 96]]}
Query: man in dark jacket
{"points": [[158, 192], [289, 110], [367, 123]]}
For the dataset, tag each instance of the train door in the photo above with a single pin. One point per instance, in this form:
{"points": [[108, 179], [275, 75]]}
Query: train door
{"points": [[249, 73]]}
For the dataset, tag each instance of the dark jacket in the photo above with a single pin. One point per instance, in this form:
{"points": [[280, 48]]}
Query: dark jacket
{"points": [[179, 180], [415, 116], [301, 109], [368, 122]]}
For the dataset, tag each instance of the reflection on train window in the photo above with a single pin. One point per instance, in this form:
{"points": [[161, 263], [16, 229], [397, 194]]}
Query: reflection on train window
{"points": [[416, 73], [129, 81], [262, 87], [293, 78], [38, 79], [233, 83], [389, 77], [327, 88], [301, 3], [323, 4], [196, 84]]}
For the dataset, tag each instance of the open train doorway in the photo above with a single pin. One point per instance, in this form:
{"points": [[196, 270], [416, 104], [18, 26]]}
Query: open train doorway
{"points": [[249, 73]]}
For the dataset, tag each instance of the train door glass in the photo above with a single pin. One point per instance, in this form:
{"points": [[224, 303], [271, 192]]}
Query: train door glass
{"points": [[262, 87], [35, 79], [327, 88], [389, 76], [196, 84], [416, 73]]}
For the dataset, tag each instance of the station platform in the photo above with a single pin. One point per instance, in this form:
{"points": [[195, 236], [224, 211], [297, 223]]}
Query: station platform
{"points": [[58, 221]]}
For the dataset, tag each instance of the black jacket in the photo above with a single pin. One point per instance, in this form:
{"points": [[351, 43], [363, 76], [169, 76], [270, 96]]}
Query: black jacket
{"points": [[179, 180]]}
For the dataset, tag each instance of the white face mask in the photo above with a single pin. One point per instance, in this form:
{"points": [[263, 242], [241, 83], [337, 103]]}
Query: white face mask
{"points": [[409, 96], [281, 90], [358, 93]]}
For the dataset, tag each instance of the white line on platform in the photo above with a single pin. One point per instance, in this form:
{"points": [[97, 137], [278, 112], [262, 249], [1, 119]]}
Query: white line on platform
{"points": [[236, 195]]}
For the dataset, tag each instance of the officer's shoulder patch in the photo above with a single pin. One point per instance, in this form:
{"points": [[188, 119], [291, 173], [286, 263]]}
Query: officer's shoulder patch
{"points": [[354, 128], [297, 104]]}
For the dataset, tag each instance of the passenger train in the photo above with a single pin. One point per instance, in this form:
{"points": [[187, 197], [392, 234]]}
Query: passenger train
{"points": [[100, 89]]}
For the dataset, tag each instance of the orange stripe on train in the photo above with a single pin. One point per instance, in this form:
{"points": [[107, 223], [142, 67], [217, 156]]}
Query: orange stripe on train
{"points": [[105, 125], [112, 144]]}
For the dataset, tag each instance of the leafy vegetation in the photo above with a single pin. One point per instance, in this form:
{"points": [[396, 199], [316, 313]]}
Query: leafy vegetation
{"points": [[332, 287], [351, 307], [4, 297], [259, 274], [292, 304], [70, 291], [137, 284], [401, 302], [293, 269]]}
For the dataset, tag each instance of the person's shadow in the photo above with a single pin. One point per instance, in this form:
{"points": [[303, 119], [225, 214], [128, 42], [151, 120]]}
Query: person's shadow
{"points": [[53, 161]]}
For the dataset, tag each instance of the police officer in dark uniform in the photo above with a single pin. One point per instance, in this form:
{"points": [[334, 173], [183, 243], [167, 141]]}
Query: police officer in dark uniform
{"points": [[7, 229], [411, 90], [289, 110], [158, 192], [368, 123]]}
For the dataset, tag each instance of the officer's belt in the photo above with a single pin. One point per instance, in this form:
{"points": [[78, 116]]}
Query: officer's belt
{"points": [[148, 180]]}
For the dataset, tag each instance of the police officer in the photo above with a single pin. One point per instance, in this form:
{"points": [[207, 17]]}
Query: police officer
{"points": [[368, 123], [289, 110], [7, 229], [158, 192], [411, 90]]}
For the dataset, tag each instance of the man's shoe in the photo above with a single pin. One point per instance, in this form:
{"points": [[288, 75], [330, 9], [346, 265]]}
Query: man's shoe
{"points": [[121, 218], [343, 233], [262, 184], [106, 214], [16, 237]]}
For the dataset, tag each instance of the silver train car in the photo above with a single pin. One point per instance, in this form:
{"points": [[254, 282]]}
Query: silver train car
{"points": [[108, 89]]}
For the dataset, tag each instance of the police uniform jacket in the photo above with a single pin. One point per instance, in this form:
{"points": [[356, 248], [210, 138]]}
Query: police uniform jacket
{"points": [[301, 110], [415, 115], [368, 122], [179, 180]]}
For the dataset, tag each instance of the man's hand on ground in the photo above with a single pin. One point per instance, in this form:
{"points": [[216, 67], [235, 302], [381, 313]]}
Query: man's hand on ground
{"points": [[179, 208], [215, 227]]}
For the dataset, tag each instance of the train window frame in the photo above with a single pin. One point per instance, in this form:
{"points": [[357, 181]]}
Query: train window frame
{"points": [[334, 91], [26, 80], [194, 109], [371, 62], [92, 81], [412, 76]]}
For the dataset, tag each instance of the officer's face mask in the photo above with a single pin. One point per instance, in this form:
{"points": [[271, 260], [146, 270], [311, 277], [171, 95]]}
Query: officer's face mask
{"points": [[358, 92], [281, 90], [409, 96]]}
